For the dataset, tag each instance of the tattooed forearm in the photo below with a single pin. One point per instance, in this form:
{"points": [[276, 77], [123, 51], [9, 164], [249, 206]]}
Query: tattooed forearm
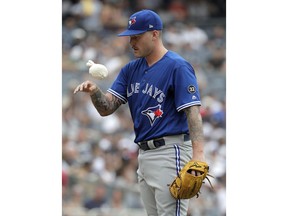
{"points": [[195, 124], [105, 104], [196, 132]]}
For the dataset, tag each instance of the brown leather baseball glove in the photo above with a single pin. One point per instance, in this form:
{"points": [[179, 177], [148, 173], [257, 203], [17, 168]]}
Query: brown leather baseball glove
{"points": [[187, 185]]}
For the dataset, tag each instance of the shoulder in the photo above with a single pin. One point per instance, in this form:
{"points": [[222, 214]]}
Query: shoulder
{"points": [[177, 60], [175, 56]]}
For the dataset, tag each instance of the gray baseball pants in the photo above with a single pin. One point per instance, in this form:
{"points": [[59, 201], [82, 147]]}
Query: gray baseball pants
{"points": [[157, 169]]}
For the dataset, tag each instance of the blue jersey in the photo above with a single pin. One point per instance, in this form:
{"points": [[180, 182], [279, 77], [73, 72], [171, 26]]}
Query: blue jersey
{"points": [[157, 95]]}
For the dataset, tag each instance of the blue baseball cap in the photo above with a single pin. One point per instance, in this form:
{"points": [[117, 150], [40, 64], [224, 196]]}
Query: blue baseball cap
{"points": [[142, 21]]}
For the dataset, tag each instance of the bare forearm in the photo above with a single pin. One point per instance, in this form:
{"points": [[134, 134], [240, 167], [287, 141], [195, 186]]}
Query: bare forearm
{"points": [[196, 131], [105, 104]]}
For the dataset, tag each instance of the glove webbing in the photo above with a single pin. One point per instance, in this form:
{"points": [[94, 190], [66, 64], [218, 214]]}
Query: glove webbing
{"points": [[197, 195], [209, 180]]}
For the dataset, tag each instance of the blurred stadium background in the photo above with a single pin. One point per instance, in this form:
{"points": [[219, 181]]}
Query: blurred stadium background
{"points": [[99, 158]]}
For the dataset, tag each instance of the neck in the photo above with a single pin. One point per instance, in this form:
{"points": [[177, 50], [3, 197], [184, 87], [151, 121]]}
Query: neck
{"points": [[156, 55]]}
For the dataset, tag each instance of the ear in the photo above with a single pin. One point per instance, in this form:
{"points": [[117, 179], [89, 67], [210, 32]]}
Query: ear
{"points": [[155, 34]]}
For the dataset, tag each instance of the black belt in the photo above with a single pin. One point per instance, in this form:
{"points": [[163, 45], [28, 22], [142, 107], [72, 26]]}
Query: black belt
{"points": [[157, 143]]}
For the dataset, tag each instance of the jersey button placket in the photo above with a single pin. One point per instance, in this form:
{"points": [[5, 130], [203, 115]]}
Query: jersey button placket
{"points": [[144, 77]]}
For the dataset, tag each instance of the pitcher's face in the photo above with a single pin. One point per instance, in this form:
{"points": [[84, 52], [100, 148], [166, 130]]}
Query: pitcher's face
{"points": [[142, 44]]}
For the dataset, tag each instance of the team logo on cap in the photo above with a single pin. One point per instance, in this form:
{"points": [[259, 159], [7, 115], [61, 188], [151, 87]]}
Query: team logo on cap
{"points": [[132, 21], [153, 113]]}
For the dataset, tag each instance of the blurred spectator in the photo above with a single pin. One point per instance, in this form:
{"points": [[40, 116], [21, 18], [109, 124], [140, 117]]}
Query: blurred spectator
{"points": [[194, 36], [112, 16], [199, 9], [98, 199], [117, 200], [178, 9], [91, 15]]}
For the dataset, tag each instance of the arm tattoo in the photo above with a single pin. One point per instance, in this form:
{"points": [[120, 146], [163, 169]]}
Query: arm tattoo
{"points": [[105, 104], [195, 124]]}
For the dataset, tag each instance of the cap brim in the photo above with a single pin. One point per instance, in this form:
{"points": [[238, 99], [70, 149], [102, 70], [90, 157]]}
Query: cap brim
{"points": [[131, 32]]}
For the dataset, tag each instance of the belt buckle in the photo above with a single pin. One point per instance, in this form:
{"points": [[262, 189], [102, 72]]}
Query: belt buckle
{"points": [[151, 144], [143, 145]]}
